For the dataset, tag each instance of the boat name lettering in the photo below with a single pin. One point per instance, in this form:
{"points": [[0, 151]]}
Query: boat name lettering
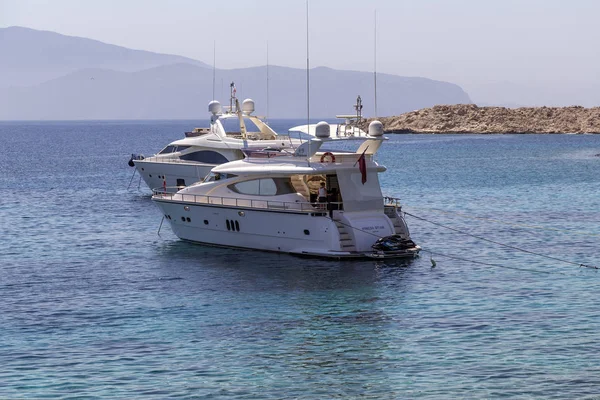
{"points": [[372, 228]]}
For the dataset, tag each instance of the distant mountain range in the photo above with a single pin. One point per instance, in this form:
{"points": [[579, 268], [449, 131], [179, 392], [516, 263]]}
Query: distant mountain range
{"points": [[31, 57], [45, 75]]}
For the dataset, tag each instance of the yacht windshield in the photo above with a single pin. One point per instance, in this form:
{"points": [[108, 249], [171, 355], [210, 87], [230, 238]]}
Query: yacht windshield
{"points": [[173, 149], [215, 176], [232, 126]]}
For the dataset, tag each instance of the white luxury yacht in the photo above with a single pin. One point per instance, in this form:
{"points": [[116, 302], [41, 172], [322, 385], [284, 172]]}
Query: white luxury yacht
{"points": [[188, 160], [268, 201]]}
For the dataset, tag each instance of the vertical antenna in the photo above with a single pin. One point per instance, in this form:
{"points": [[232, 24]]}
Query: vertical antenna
{"points": [[307, 86], [375, 63], [214, 66], [231, 94], [267, 119]]}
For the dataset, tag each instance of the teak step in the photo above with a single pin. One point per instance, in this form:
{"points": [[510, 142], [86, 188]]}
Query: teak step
{"points": [[346, 240]]}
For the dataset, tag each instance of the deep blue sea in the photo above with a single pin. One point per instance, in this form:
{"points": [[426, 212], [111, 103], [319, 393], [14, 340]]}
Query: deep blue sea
{"points": [[95, 304]]}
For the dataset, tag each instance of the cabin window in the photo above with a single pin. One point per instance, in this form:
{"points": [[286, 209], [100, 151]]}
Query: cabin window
{"points": [[215, 176], [205, 156], [248, 187], [264, 187], [284, 186], [173, 149], [168, 149]]}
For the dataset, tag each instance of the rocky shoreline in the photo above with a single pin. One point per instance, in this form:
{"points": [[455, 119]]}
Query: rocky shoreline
{"points": [[469, 118]]}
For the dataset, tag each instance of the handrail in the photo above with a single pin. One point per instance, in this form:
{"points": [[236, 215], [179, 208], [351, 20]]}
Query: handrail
{"points": [[341, 157], [302, 206], [174, 160]]}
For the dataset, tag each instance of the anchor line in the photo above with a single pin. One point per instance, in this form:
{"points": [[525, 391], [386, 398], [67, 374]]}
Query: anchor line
{"points": [[160, 226], [490, 264], [506, 223], [131, 180], [502, 244], [425, 250]]}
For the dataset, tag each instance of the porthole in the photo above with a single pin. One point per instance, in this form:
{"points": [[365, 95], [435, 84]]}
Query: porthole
{"points": [[150, 175], [306, 232], [237, 226], [205, 222], [186, 208], [228, 226], [183, 219]]}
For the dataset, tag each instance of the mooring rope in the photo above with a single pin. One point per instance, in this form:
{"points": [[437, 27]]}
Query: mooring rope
{"points": [[507, 223], [451, 256], [456, 257], [502, 244]]}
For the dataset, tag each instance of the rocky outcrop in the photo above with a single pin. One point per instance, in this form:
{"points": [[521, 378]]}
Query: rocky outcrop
{"points": [[469, 118]]}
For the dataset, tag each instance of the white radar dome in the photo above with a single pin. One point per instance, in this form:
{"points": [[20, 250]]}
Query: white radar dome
{"points": [[248, 106], [376, 129], [322, 130], [214, 107]]}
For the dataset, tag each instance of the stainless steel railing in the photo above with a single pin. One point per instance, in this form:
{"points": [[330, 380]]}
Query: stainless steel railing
{"points": [[175, 160], [303, 206]]}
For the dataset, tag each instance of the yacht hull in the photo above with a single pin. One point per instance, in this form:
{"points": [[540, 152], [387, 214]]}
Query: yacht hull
{"points": [[300, 233], [175, 174]]}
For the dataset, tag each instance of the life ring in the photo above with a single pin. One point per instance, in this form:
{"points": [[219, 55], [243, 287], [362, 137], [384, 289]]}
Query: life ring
{"points": [[328, 154]]}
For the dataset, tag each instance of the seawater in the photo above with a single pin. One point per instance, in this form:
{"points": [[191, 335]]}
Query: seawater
{"points": [[95, 304]]}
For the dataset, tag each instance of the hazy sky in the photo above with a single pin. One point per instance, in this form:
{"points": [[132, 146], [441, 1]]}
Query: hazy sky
{"points": [[463, 41]]}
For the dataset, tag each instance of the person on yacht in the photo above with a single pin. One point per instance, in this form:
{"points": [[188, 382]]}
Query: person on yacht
{"points": [[322, 193]]}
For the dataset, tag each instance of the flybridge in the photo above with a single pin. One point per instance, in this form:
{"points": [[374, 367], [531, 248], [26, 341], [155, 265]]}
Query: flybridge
{"points": [[240, 112], [349, 129]]}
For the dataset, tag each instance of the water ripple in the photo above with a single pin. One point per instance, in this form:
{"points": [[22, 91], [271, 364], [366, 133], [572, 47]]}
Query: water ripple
{"points": [[94, 304]]}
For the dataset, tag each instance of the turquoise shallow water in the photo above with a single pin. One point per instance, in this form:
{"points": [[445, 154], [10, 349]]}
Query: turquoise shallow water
{"points": [[94, 304]]}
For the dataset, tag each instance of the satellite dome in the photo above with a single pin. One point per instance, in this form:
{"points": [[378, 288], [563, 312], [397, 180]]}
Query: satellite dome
{"points": [[248, 106], [322, 130], [214, 107], [376, 129]]}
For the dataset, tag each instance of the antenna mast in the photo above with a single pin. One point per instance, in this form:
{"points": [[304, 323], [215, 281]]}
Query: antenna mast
{"points": [[307, 86], [267, 119], [231, 96], [214, 66], [375, 63]]}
